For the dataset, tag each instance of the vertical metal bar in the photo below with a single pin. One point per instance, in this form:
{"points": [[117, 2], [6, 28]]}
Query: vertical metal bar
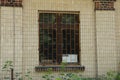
{"points": [[96, 54], [14, 51], [12, 77]]}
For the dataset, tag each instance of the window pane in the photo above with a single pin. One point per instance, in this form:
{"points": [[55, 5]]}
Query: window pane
{"points": [[47, 18], [64, 33], [64, 52], [69, 19], [72, 44], [68, 49], [47, 44], [54, 33], [72, 34], [64, 43]]}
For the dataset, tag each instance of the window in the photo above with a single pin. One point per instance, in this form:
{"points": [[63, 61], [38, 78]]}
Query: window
{"points": [[59, 38]]}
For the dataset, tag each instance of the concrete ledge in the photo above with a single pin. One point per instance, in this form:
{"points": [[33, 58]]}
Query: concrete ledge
{"points": [[59, 68]]}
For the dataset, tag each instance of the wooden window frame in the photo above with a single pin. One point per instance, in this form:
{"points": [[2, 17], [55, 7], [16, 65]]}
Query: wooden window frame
{"points": [[59, 35]]}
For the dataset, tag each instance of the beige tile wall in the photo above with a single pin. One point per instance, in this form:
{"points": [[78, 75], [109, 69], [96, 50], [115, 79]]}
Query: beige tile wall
{"points": [[11, 37], [106, 41], [106, 23], [117, 23]]}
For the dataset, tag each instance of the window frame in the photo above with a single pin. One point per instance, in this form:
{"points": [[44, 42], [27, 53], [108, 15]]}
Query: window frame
{"points": [[62, 12]]}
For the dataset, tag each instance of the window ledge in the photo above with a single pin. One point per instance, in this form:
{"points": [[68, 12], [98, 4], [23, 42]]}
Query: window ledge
{"points": [[58, 68]]}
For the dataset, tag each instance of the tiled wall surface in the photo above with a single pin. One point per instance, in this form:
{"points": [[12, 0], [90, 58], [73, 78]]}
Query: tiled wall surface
{"points": [[99, 34]]}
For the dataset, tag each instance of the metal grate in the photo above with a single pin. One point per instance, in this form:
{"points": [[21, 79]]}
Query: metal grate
{"points": [[104, 4], [17, 3]]}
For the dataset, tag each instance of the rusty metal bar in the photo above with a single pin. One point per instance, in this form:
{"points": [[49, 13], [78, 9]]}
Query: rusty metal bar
{"points": [[12, 76]]}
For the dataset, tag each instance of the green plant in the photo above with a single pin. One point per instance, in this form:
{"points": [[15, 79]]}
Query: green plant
{"points": [[28, 76], [18, 76], [62, 75], [48, 75], [118, 76], [63, 64], [111, 75], [7, 68], [68, 76]]}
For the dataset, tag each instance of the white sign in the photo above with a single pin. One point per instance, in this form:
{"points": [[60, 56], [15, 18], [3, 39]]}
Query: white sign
{"points": [[69, 58]]}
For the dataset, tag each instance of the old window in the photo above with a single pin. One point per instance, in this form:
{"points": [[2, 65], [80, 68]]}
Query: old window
{"points": [[59, 38]]}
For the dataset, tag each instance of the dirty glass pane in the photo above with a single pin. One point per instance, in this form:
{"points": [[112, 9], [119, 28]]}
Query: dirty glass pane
{"points": [[47, 43], [68, 19], [70, 41], [47, 18]]}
